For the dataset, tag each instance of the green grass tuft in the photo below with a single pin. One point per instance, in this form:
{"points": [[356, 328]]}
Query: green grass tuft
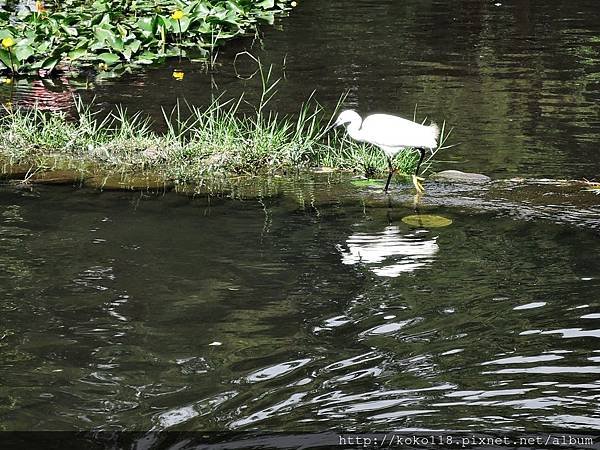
{"points": [[216, 140]]}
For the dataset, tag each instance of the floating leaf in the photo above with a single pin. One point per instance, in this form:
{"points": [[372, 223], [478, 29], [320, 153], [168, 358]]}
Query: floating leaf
{"points": [[426, 221], [368, 182], [147, 58]]}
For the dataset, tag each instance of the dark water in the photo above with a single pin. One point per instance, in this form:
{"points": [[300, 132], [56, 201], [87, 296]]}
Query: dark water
{"points": [[307, 309], [519, 82], [291, 311]]}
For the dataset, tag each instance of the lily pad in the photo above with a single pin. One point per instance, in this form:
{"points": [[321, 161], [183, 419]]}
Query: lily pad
{"points": [[368, 182], [426, 221]]}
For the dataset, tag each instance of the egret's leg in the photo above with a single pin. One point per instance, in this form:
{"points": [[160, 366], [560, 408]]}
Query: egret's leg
{"points": [[417, 201], [416, 178], [422, 152], [389, 178]]}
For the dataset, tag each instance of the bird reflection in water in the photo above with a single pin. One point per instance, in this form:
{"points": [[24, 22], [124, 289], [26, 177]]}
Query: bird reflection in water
{"points": [[391, 252]]}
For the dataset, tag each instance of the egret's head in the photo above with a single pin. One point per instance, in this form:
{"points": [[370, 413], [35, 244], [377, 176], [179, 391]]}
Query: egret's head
{"points": [[347, 117]]}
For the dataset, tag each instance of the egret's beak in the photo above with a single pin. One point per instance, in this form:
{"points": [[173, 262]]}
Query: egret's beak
{"points": [[332, 126], [327, 130]]}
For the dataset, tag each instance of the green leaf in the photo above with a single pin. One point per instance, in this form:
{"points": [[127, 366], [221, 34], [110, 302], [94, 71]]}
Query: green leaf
{"points": [[50, 63], [266, 4], [203, 11], [117, 44], [109, 58], [5, 58], [71, 31], [134, 46], [147, 58], [100, 6], [122, 31], [266, 16], [146, 24], [104, 35], [184, 23], [23, 52], [77, 53], [109, 37]]}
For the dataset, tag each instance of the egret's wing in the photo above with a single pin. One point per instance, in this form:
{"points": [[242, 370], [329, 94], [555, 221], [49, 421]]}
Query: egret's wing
{"points": [[393, 131]]}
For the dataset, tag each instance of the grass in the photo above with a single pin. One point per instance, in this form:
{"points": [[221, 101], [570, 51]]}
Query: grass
{"points": [[199, 143]]}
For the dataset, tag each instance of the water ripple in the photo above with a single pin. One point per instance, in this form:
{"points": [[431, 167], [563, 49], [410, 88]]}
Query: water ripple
{"points": [[390, 252]]}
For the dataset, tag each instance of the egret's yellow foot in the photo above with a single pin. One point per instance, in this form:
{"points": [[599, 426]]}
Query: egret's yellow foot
{"points": [[418, 185]]}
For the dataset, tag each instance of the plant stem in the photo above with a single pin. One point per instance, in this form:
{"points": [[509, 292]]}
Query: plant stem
{"points": [[179, 25], [12, 64]]}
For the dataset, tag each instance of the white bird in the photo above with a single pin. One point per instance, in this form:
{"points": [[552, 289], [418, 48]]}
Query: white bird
{"points": [[391, 134]]}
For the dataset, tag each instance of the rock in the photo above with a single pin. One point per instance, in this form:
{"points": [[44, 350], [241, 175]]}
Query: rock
{"points": [[456, 176]]}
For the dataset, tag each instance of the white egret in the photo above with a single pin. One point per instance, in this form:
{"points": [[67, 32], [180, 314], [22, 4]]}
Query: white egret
{"points": [[391, 134]]}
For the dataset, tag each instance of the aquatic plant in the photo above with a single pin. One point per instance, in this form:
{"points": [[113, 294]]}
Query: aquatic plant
{"points": [[116, 36], [199, 142]]}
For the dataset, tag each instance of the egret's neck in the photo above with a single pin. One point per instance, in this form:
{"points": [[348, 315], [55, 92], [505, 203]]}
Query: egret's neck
{"points": [[354, 131]]}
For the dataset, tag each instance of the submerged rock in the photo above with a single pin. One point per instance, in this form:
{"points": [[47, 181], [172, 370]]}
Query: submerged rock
{"points": [[57, 177], [129, 183], [456, 176], [16, 171]]}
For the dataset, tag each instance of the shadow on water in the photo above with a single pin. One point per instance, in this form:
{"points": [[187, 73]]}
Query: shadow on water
{"points": [[299, 309]]}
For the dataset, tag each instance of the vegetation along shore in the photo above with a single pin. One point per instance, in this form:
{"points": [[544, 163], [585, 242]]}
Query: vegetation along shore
{"points": [[111, 37]]}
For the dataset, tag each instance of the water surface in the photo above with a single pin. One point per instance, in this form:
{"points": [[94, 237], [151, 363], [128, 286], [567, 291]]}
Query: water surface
{"points": [[316, 307], [518, 80], [130, 311]]}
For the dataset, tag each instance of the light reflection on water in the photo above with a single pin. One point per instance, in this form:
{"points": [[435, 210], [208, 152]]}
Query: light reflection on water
{"points": [[494, 317], [518, 82], [390, 252], [330, 317]]}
